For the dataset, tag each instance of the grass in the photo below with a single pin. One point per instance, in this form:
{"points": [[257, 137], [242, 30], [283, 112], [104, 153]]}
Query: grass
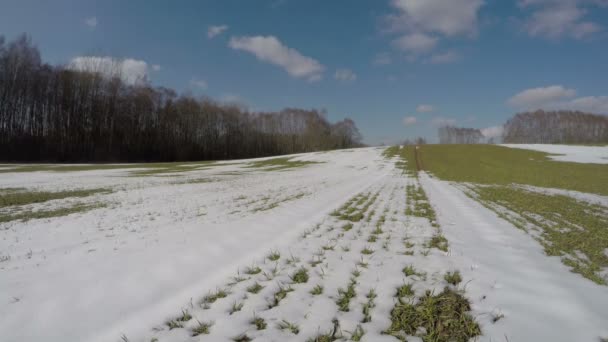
{"points": [[179, 321], [490, 164], [268, 204], [418, 204], [345, 296], [242, 338], [407, 161], [279, 164], [150, 168], [259, 322], [42, 214], [333, 335], [212, 297], [286, 325], [438, 241], [317, 290], [23, 197], [236, 307], [453, 278], [410, 271], [354, 210], [300, 276], [255, 288], [274, 256], [571, 229], [406, 290], [253, 270], [173, 324], [368, 306], [444, 317], [280, 295], [202, 328], [367, 251], [357, 334]]}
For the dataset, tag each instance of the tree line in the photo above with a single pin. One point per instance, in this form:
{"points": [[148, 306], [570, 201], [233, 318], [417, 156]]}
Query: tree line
{"points": [[538, 127], [61, 114], [460, 135], [556, 127]]}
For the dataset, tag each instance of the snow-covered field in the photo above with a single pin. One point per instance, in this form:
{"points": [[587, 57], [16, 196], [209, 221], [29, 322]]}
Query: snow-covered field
{"points": [[571, 153], [164, 243]]}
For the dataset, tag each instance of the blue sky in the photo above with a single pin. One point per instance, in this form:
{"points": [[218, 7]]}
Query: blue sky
{"points": [[399, 68]]}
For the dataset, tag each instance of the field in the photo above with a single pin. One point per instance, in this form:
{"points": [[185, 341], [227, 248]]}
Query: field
{"points": [[486, 243]]}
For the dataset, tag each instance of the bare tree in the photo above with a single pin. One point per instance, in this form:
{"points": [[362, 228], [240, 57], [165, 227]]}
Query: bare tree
{"points": [[458, 135], [565, 127], [91, 113]]}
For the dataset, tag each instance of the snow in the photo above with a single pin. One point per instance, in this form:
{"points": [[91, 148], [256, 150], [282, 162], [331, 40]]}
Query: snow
{"points": [[593, 199], [540, 298], [569, 153], [162, 244]]}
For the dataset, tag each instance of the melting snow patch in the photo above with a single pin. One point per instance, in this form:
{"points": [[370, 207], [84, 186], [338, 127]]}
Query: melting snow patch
{"points": [[569, 153]]}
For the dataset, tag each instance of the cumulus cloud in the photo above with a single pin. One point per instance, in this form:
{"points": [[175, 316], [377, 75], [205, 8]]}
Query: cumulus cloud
{"points": [[198, 83], [130, 70], [91, 22], [444, 58], [441, 121], [415, 43], [558, 97], [449, 18], [555, 19], [214, 31], [594, 104], [538, 97], [492, 132], [409, 120], [425, 108], [423, 23], [269, 49], [156, 67], [345, 75]]}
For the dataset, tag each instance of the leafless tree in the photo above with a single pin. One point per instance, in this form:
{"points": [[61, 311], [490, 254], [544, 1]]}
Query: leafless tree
{"points": [[557, 127], [61, 113], [458, 135]]}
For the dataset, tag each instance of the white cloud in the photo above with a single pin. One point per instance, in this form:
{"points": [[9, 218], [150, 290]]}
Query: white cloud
{"points": [[444, 58], [555, 19], [441, 121], [156, 67], [130, 70], [539, 97], [558, 97], [269, 49], [214, 31], [492, 132], [345, 75], [449, 18], [409, 120], [382, 59], [593, 104], [91, 22], [415, 43], [426, 22], [198, 83], [425, 108]]}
